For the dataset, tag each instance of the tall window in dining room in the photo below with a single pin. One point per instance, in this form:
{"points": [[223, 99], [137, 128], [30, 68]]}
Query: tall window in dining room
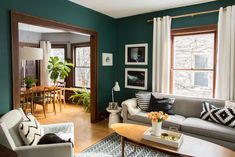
{"points": [[82, 67], [58, 50], [193, 64]]}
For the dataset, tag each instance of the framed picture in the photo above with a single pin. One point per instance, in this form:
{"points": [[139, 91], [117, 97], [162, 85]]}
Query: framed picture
{"points": [[107, 59], [136, 78], [136, 54]]}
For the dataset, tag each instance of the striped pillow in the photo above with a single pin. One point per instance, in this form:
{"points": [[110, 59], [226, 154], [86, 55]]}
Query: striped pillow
{"points": [[143, 100]]}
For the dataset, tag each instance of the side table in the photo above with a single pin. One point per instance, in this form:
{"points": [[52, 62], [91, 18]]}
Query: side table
{"points": [[5, 152], [114, 116]]}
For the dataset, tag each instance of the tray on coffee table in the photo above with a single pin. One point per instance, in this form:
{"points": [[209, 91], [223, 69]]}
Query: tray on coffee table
{"points": [[170, 138]]}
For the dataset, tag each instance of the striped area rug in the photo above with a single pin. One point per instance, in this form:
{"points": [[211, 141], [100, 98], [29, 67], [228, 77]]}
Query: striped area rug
{"points": [[111, 147]]}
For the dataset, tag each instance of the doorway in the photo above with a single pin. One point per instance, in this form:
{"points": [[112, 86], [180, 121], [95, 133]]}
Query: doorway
{"points": [[16, 19]]}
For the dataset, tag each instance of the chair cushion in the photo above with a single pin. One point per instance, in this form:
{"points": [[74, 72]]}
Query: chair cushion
{"points": [[225, 116], [30, 130], [208, 129], [65, 136], [172, 121]]}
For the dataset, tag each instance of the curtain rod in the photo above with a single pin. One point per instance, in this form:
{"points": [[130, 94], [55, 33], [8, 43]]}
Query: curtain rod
{"points": [[191, 14]]}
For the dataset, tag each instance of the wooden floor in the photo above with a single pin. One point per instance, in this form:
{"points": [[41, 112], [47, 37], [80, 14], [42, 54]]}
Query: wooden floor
{"points": [[86, 133]]}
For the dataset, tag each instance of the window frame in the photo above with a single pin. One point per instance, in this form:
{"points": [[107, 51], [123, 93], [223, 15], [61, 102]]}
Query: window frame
{"points": [[64, 46], [73, 47], [194, 31]]}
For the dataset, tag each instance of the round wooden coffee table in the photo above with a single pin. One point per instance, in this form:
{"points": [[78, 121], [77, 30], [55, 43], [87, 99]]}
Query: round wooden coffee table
{"points": [[191, 146]]}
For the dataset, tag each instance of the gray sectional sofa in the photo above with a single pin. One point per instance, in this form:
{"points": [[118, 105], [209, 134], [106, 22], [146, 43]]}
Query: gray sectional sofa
{"points": [[187, 119]]}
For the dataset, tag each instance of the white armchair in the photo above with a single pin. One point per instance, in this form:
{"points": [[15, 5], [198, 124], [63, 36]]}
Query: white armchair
{"points": [[10, 137]]}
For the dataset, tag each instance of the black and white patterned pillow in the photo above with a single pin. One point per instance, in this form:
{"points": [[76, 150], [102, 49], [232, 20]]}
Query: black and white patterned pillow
{"points": [[143, 100], [30, 130], [212, 113]]}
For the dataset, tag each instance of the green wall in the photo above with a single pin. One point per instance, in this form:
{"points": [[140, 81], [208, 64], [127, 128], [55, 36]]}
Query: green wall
{"points": [[62, 11], [135, 29], [113, 35]]}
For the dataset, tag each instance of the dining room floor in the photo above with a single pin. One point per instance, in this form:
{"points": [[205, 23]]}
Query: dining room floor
{"points": [[86, 133]]}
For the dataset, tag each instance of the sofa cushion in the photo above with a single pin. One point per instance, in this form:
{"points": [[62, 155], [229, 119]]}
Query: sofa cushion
{"points": [[143, 100], [172, 121], [208, 129], [225, 116], [161, 104], [190, 106]]}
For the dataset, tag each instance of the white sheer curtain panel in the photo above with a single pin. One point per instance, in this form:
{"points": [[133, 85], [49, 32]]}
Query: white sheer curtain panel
{"points": [[225, 72], [44, 74], [161, 54]]}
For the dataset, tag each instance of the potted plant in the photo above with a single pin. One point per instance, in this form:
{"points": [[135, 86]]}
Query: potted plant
{"points": [[29, 81], [82, 97], [58, 69]]}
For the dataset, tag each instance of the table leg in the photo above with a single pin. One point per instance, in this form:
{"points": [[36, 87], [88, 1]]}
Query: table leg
{"points": [[60, 101], [123, 145]]}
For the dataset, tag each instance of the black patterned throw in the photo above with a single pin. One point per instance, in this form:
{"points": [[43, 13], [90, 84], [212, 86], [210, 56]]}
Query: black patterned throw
{"points": [[224, 115], [111, 147]]}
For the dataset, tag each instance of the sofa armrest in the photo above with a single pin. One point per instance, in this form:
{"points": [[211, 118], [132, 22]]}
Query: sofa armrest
{"points": [[47, 150], [60, 127], [129, 106]]}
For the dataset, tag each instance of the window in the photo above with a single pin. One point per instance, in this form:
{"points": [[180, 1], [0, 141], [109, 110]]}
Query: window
{"points": [[193, 63], [58, 50], [82, 66]]}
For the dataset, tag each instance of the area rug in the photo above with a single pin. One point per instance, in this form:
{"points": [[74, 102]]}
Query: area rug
{"points": [[111, 147]]}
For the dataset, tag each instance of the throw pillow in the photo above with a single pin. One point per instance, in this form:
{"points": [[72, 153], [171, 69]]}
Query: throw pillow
{"points": [[30, 130], [51, 138], [212, 113], [143, 100], [161, 104]]}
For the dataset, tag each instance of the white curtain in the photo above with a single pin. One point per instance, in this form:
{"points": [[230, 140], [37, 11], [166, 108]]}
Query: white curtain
{"points": [[161, 54], [225, 73], [44, 74]]}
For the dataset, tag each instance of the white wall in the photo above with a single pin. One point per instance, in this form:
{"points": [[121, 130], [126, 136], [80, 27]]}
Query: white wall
{"points": [[65, 38], [29, 37]]}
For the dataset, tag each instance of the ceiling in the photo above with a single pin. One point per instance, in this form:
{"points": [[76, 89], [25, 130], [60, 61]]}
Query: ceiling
{"points": [[124, 8], [37, 29]]}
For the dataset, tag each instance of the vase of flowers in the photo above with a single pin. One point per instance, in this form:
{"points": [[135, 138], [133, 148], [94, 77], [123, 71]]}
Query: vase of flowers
{"points": [[157, 119]]}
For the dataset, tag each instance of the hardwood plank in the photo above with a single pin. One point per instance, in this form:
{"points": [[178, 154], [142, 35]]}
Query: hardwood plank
{"points": [[86, 133]]}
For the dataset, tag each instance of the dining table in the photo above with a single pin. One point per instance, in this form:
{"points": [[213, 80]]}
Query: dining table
{"points": [[38, 90]]}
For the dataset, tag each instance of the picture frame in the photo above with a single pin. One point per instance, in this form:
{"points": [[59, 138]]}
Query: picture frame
{"points": [[107, 59], [136, 54], [136, 78]]}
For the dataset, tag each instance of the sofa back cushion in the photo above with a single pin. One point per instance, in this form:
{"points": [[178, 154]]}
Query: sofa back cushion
{"points": [[11, 120], [190, 106]]}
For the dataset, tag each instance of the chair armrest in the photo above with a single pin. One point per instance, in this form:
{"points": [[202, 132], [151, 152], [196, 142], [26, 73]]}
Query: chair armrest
{"points": [[47, 150], [129, 106], [60, 127]]}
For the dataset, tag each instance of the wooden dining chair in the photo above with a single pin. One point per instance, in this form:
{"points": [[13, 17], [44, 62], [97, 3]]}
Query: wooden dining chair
{"points": [[61, 96], [44, 99], [26, 100]]}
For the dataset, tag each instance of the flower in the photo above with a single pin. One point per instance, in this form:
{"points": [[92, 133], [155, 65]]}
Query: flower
{"points": [[157, 116]]}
